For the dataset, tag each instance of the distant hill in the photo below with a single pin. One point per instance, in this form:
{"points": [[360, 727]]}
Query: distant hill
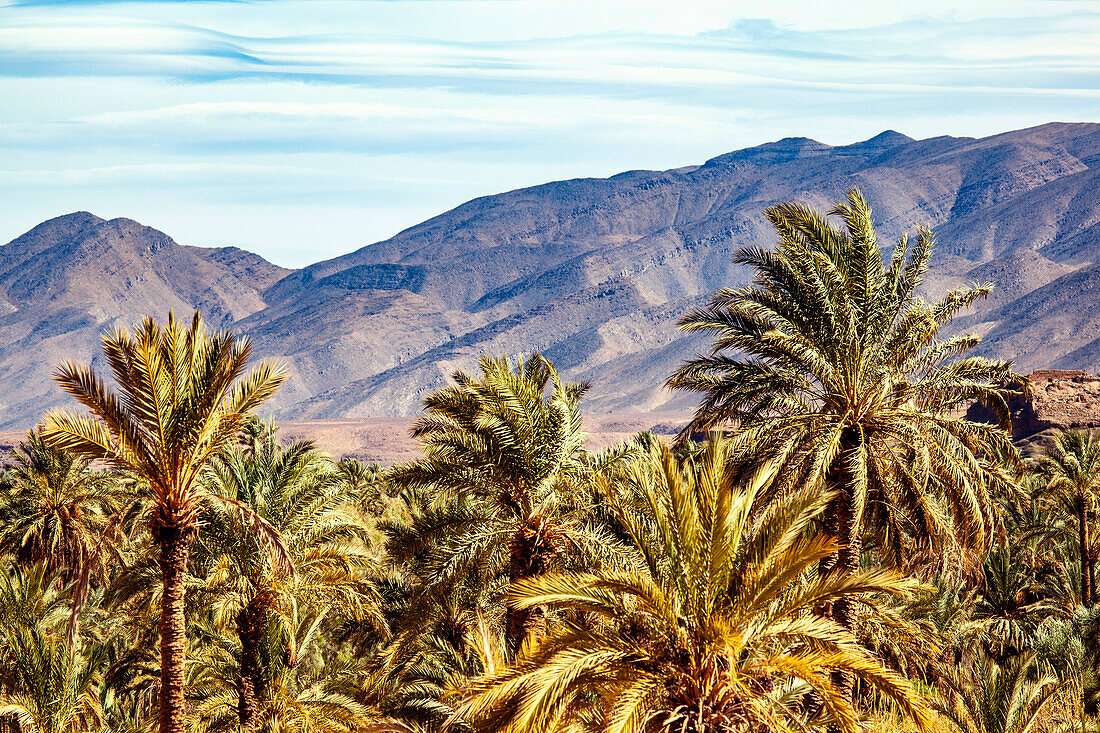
{"points": [[67, 280], [593, 272]]}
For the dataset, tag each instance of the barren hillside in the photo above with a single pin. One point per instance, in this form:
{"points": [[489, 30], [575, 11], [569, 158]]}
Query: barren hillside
{"points": [[593, 272]]}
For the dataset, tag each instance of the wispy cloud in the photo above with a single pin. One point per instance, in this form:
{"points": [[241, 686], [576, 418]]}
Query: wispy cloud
{"points": [[270, 126], [489, 95], [1046, 53]]}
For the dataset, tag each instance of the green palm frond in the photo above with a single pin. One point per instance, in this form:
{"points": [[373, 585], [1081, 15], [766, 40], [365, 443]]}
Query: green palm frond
{"points": [[989, 697], [830, 363], [54, 508], [711, 632], [505, 489], [48, 683]]}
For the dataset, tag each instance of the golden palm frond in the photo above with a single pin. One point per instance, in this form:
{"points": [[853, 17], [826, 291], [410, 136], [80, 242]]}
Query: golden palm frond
{"points": [[702, 636]]}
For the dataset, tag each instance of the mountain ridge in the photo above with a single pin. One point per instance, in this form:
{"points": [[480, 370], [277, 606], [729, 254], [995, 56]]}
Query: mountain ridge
{"points": [[592, 271]]}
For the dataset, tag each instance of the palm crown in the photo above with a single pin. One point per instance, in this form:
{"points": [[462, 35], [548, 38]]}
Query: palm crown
{"points": [[833, 365], [713, 628], [504, 485], [181, 394], [55, 508]]}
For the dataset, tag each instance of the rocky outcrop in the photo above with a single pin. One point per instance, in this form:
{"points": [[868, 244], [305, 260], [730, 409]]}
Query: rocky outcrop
{"points": [[1060, 399]]}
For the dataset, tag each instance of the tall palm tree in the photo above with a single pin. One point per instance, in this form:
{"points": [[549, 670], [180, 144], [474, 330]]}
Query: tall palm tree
{"points": [[1072, 470], [504, 485], [180, 395], [713, 630], [55, 509], [832, 364], [297, 492]]}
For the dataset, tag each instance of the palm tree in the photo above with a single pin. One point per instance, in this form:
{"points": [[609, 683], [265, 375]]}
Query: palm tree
{"points": [[713, 629], [48, 684], [1071, 647], [1072, 470], [31, 596], [932, 629], [297, 493], [833, 365], [306, 693], [1013, 600], [55, 509], [504, 485], [421, 684], [180, 395], [991, 697], [367, 482]]}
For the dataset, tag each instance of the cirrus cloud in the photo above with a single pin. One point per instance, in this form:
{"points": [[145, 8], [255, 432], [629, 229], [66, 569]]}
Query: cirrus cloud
{"points": [[297, 105]]}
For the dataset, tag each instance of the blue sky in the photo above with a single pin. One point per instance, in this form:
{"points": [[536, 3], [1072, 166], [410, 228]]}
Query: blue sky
{"points": [[305, 129]]}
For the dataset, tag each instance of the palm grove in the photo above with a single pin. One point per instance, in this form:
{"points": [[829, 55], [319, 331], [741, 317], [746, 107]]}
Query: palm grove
{"points": [[828, 545]]}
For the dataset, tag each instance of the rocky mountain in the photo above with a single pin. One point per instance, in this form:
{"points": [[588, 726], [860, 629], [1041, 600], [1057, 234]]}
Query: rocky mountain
{"points": [[593, 272], [69, 279]]}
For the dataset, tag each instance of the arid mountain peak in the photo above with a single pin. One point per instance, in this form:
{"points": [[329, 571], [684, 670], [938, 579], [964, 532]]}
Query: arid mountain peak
{"points": [[69, 279], [593, 272]]}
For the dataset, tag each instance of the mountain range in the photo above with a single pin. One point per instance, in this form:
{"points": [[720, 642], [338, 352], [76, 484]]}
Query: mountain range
{"points": [[592, 272]]}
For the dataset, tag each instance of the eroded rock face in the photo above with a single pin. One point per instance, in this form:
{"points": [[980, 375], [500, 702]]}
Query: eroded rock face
{"points": [[1061, 398]]}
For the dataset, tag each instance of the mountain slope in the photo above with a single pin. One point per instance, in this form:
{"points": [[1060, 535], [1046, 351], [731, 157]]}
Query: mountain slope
{"points": [[594, 272], [69, 279]]}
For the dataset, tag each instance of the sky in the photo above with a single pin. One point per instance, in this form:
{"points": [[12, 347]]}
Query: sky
{"points": [[304, 129]]}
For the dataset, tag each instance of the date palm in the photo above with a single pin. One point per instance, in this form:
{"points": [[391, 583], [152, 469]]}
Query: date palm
{"points": [[712, 631], [1072, 470], [317, 561], [306, 693], [55, 509], [1014, 599], [180, 395], [504, 486], [367, 482], [422, 683], [47, 684], [986, 696], [833, 364]]}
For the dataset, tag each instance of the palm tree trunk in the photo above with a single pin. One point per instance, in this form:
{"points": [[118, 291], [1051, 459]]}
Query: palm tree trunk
{"points": [[841, 524], [1083, 542], [849, 549], [826, 565], [847, 534], [173, 631], [251, 627], [525, 622], [529, 558], [1092, 575]]}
